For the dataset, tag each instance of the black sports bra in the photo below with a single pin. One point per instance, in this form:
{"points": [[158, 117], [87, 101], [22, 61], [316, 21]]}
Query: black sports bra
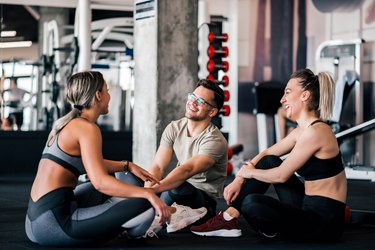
{"points": [[315, 168]]}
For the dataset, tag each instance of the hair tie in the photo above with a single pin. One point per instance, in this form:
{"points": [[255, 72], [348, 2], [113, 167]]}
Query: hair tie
{"points": [[79, 107]]}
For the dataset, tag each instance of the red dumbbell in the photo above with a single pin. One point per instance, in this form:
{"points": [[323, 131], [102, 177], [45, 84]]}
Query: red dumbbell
{"points": [[211, 66], [225, 110], [224, 81], [229, 168], [223, 37], [226, 95], [230, 153], [211, 52]]}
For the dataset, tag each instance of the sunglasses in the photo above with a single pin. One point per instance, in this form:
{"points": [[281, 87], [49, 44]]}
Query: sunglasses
{"points": [[200, 101]]}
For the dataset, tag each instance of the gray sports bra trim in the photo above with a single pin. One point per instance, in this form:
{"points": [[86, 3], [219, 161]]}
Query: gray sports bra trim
{"points": [[71, 162]]}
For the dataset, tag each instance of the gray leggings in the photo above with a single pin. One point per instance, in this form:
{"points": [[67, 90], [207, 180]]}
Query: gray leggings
{"points": [[66, 217]]}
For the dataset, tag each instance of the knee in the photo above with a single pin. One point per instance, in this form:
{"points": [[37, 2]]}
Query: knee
{"points": [[257, 205], [250, 202], [179, 195], [268, 162], [184, 189], [129, 178]]}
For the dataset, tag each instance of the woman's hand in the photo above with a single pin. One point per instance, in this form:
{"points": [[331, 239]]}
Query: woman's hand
{"points": [[232, 190], [245, 170], [142, 173], [162, 209]]}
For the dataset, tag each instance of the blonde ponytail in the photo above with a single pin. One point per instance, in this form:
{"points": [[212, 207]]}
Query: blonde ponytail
{"points": [[327, 95], [80, 92], [61, 122]]}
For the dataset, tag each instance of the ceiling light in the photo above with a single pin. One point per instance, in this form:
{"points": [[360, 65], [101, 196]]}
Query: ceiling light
{"points": [[9, 33], [15, 44]]}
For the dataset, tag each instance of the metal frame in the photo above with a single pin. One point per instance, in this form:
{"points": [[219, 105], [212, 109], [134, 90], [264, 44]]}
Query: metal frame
{"points": [[358, 88]]}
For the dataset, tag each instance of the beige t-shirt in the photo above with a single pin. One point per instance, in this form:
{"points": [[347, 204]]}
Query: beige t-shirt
{"points": [[210, 142]]}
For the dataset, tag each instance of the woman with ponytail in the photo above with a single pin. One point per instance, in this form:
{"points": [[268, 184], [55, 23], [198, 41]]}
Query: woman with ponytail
{"points": [[309, 208], [60, 211]]}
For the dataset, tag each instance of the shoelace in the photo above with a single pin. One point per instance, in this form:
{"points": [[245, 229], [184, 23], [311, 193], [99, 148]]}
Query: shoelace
{"points": [[151, 233]]}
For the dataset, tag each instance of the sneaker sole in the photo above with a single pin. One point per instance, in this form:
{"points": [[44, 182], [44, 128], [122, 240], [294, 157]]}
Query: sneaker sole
{"points": [[221, 233], [185, 222]]}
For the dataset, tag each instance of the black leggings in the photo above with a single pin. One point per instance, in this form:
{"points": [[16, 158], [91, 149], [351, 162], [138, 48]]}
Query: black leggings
{"points": [[295, 215], [74, 217]]}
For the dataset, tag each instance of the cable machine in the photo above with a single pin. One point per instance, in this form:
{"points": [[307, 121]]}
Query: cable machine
{"points": [[342, 58]]}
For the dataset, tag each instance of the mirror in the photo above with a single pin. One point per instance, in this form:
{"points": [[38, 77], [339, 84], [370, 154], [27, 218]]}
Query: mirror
{"points": [[43, 51]]}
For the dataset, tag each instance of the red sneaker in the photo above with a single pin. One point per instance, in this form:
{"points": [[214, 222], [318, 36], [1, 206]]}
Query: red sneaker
{"points": [[218, 226]]}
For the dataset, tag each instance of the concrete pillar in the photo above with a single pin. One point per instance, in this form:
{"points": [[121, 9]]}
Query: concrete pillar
{"points": [[166, 68], [84, 35]]}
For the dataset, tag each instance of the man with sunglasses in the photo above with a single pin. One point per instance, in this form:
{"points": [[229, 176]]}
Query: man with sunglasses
{"points": [[201, 150]]}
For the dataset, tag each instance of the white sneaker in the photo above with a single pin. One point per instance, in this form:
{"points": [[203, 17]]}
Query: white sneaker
{"points": [[184, 216], [154, 228]]}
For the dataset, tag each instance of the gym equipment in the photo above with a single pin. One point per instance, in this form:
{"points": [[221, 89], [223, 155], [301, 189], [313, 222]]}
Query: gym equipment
{"points": [[355, 171], [226, 95], [229, 168], [359, 172], [230, 153], [48, 107], [225, 110], [224, 80], [211, 66], [212, 37], [233, 150], [338, 57], [266, 98], [211, 51]]}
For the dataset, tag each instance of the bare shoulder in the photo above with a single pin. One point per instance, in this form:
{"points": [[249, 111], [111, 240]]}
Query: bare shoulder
{"points": [[80, 127], [320, 134]]}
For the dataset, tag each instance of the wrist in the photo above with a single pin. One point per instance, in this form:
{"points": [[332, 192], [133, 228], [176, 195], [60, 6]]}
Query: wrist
{"points": [[126, 165], [240, 180], [251, 163]]}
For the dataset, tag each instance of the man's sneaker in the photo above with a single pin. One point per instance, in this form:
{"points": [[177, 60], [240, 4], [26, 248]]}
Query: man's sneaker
{"points": [[154, 228], [184, 216], [218, 226]]}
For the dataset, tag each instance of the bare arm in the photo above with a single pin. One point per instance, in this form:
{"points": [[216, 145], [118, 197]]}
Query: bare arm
{"points": [[308, 143], [280, 148], [162, 159], [177, 176], [90, 141]]}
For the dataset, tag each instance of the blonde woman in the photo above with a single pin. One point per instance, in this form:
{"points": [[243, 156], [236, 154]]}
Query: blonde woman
{"points": [[60, 212], [312, 209]]}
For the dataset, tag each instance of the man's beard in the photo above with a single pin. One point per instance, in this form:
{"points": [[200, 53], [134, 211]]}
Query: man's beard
{"points": [[194, 118]]}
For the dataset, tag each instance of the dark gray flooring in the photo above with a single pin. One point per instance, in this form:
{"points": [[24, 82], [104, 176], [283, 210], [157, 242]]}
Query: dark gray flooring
{"points": [[14, 197]]}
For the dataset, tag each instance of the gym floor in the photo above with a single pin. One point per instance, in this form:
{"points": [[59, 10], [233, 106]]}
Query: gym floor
{"points": [[14, 195]]}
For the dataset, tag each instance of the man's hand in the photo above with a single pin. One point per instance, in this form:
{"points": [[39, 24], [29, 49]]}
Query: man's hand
{"points": [[142, 173]]}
